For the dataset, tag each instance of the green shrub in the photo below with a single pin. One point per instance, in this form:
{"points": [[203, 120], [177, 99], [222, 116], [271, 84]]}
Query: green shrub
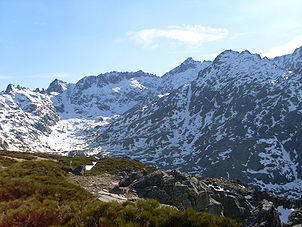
{"points": [[30, 212], [19, 155], [40, 194], [115, 165], [144, 213], [39, 179], [5, 162], [75, 161]]}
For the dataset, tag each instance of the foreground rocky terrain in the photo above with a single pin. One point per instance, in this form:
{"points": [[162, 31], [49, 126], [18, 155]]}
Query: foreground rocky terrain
{"points": [[107, 180], [238, 117]]}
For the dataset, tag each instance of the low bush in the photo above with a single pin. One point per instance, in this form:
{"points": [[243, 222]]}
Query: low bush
{"points": [[5, 161], [19, 155], [40, 194], [115, 165], [38, 179], [144, 213]]}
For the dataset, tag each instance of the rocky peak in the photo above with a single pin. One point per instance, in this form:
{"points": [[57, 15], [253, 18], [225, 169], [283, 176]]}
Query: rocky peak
{"points": [[57, 86], [189, 63], [13, 88], [231, 57], [298, 52], [10, 88], [240, 66], [111, 78], [182, 74], [292, 62]]}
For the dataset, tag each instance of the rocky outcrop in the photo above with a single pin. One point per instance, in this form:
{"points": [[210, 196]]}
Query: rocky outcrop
{"points": [[79, 170], [57, 86], [215, 196], [264, 215], [184, 191], [295, 218], [3, 144]]}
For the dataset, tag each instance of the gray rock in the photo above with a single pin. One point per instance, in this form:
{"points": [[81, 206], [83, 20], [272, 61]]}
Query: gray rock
{"points": [[158, 194], [264, 215], [295, 218], [80, 170], [178, 190], [57, 86], [233, 206], [214, 208], [3, 144], [130, 175]]}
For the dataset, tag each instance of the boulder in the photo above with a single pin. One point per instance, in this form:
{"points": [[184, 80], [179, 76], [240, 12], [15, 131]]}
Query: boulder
{"points": [[79, 170], [214, 207], [3, 144], [156, 178], [295, 218], [129, 175], [264, 215], [154, 192], [234, 205]]}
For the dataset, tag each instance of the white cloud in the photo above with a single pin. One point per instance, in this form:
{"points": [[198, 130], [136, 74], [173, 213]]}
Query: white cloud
{"points": [[286, 48], [188, 34]]}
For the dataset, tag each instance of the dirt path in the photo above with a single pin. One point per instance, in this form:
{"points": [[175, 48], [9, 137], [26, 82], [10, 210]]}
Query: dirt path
{"points": [[101, 187], [23, 160]]}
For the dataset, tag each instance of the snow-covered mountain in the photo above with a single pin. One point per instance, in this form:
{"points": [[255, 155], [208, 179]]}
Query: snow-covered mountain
{"points": [[59, 119], [108, 94], [241, 118], [25, 117], [238, 117]]}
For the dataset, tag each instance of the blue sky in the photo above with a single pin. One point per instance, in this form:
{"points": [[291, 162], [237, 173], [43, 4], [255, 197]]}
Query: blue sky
{"points": [[41, 40]]}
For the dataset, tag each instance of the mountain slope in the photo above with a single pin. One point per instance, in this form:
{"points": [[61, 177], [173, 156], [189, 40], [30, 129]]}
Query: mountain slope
{"points": [[25, 115], [60, 118], [240, 119], [186, 72]]}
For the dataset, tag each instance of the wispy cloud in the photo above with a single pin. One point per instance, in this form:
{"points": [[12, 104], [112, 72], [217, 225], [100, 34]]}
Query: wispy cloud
{"points": [[286, 48], [188, 34]]}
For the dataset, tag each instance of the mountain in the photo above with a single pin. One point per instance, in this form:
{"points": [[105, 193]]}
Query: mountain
{"points": [[107, 94], [60, 118], [240, 119], [237, 117]]}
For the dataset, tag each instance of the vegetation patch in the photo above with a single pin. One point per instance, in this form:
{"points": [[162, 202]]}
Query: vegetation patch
{"points": [[6, 161], [39, 194], [145, 213], [18, 155], [115, 165]]}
